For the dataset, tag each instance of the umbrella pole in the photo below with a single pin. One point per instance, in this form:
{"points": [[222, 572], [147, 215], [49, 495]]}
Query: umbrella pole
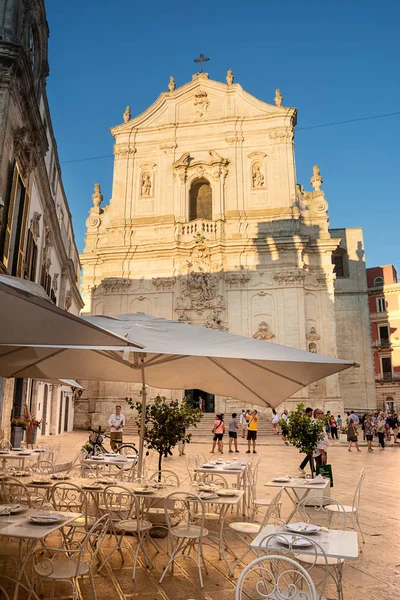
{"points": [[142, 420]]}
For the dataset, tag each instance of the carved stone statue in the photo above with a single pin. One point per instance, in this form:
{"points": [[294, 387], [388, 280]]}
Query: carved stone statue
{"points": [[316, 180], [278, 98], [312, 347], [145, 185], [263, 332], [172, 84], [229, 77], [257, 176], [97, 197], [127, 114]]}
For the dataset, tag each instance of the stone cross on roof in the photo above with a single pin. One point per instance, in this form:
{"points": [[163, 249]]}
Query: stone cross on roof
{"points": [[200, 60]]}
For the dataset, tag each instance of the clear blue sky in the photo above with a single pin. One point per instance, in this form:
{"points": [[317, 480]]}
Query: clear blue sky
{"points": [[332, 60]]}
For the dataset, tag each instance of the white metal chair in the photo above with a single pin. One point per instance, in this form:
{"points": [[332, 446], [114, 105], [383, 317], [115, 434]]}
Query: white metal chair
{"points": [[245, 528], [68, 564], [186, 530], [13, 491], [165, 478], [318, 514], [43, 467], [286, 543], [275, 577], [353, 509], [5, 445], [123, 509], [69, 497]]}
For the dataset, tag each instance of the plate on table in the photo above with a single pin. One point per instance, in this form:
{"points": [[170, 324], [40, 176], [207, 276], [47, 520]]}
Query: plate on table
{"points": [[226, 493], [96, 458], [60, 477], [302, 528], [207, 466], [142, 490], [281, 479], [4, 451], [46, 519], [40, 481], [13, 509], [40, 450], [21, 474], [93, 486], [24, 453], [292, 540]]}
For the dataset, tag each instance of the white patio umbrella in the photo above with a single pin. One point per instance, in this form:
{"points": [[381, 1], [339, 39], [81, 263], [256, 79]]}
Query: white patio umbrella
{"points": [[29, 317], [180, 356]]}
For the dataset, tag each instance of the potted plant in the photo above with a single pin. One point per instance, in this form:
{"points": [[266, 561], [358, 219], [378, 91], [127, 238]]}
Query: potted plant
{"points": [[18, 426], [166, 422], [343, 433], [32, 426], [302, 432]]}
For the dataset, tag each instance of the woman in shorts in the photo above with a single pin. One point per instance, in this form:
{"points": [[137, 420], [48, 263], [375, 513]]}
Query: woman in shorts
{"points": [[369, 430], [218, 431]]}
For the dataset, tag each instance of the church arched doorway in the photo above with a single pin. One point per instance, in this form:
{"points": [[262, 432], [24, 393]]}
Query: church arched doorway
{"points": [[200, 200]]}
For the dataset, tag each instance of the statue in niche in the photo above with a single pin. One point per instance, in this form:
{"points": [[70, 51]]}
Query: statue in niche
{"points": [[145, 185], [257, 175], [312, 347]]}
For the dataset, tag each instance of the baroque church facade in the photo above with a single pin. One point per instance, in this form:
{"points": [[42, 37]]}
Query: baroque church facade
{"points": [[208, 226]]}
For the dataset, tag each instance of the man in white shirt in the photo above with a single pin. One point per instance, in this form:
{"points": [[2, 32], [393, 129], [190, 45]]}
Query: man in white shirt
{"points": [[243, 422], [117, 424]]}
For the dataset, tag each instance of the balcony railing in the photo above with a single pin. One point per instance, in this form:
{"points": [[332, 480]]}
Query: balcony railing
{"points": [[382, 344], [210, 229]]}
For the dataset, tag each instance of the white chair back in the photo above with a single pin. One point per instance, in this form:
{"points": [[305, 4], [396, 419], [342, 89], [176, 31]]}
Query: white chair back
{"points": [[275, 577], [357, 493], [318, 514]]}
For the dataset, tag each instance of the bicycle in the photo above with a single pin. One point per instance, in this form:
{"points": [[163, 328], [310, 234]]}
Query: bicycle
{"points": [[96, 445]]}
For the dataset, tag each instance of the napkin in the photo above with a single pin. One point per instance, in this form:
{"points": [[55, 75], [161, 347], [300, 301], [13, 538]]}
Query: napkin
{"points": [[234, 465], [318, 479]]}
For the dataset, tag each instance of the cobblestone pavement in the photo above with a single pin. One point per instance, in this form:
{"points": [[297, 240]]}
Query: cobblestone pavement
{"points": [[374, 576]]}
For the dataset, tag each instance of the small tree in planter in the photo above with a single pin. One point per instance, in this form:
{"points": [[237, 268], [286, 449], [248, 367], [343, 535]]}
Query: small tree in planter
{"points": [[166, 422], [304, 433]]}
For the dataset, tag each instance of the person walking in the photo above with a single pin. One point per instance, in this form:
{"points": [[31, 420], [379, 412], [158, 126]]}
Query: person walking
{"points": [[243, 422], [352, 435], [369, 430], [309, 457], [321, 451], [285, 416], [328, 423], [380, 430], [275, 419], [252, 426], [334, 432], [117, 424], [353, 416], [232, 432], [218, 431]]}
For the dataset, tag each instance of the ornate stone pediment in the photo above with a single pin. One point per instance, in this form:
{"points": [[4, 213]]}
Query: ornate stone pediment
{"points": [[123, 151], [214, 321], [263, 332], [216, 167], [312, 335]]}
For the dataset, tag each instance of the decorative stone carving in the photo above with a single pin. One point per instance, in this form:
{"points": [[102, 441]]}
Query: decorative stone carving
{"points": [[145, 184], [172, 84], [183, 317], [278, 98], [201, 103], [313, 348], [25, 150], [34, 226], [54, 283], [168, 145], [116, 285], [127, 114], [312, 335], [281, 134], [199, 289], [123, 151], [97, 197], [325, 278], [237, 279], [316, 180], [229, 77], [216, 167], [68, 300], [257, 176], [263, 332], [289, 277], [234, 138], [163, 283], [214, 321]]}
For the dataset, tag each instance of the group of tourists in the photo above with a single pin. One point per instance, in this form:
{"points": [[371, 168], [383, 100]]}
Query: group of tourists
{"points": [[380, 425], [247, 423]]}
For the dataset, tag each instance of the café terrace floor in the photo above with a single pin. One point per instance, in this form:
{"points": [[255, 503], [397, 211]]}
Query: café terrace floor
{"points": [[374, 576]]}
